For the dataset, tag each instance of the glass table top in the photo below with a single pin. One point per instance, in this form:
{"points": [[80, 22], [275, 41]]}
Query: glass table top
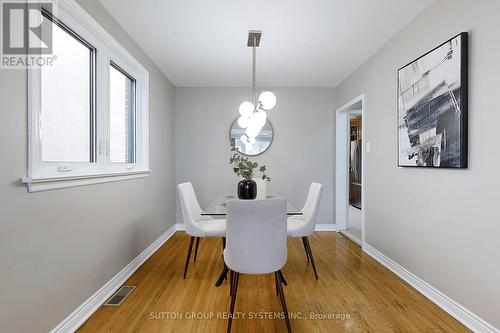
{"points": [[218, 205]]}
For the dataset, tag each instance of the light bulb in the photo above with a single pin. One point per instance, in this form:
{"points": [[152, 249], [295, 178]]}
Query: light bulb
{"points": [[252, 122], [243, 121], [252, 131], [267, 99], [246, 109], [260, 118]]}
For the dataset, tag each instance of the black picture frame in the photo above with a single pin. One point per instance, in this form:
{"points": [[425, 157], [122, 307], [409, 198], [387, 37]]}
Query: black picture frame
{"points": [[433, 109]]}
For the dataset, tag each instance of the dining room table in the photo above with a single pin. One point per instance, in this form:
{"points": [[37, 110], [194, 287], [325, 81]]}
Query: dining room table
{"points": [[218, 208]]}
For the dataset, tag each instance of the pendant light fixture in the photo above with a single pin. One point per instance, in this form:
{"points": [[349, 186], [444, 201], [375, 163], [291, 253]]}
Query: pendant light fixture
{"points": [[253, 115]]}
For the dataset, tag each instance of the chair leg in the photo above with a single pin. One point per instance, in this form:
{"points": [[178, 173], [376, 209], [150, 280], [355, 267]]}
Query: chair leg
{"points": [[231, 281], [188, 256], [305, 248], [311, 257], [233, 300], [283, 302], [196, 248], [223, 247], [222, 276], [282, 279], [276, 281]]}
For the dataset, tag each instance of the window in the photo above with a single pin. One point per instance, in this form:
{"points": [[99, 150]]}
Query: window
{"points": [[88, 112], [67, 100], [122, 116]]}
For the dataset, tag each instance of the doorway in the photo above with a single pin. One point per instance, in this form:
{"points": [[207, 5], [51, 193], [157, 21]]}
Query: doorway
{"points": [[349, 170]]}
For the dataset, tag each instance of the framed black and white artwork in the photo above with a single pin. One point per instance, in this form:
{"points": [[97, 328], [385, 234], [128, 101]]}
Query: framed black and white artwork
{"points": [[433, 107]]}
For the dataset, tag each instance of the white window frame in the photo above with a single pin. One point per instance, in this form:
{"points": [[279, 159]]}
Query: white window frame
{"points": [[44, 175]]}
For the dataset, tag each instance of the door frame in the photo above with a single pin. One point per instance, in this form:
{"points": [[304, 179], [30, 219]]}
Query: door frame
{"points": [[342, 167]]}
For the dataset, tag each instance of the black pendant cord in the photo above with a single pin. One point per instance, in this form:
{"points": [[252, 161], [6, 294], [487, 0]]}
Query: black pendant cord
{"points": [[254, 61]]}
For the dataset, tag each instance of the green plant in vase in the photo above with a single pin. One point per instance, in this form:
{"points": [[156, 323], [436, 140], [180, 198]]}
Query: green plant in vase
{"points": [[243, 167]]}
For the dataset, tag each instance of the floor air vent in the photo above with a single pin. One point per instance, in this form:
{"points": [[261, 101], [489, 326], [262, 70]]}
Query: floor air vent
{"points": [[119, 296]]}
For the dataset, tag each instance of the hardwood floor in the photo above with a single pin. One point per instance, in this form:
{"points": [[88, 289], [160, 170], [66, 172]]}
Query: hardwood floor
{"points": [[356, 292]]}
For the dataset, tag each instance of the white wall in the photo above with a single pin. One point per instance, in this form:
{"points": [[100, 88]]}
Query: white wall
{"points": [[301, 153], [59, 247], [442, 225]]}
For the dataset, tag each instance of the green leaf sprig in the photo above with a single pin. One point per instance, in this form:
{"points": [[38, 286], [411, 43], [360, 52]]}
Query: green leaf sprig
{"points": [[243, 167]]}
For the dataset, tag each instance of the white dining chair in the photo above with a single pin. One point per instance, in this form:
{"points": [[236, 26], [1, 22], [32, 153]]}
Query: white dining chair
{"points": [[256, 243], [303, 225], [197, 225], [261, 188]]}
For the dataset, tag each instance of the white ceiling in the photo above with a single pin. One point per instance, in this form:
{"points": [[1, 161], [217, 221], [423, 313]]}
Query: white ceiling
{"points": [[305, 43]]}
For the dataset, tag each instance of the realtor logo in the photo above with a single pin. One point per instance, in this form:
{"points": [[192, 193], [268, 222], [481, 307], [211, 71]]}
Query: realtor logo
{"points": [[26, 33], [25, 29]]}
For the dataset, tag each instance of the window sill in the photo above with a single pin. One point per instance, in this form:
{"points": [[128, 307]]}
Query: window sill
{"points": [[47, 184]]}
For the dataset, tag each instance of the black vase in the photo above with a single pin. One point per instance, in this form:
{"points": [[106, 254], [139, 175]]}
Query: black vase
{"points": [[247, 189]]}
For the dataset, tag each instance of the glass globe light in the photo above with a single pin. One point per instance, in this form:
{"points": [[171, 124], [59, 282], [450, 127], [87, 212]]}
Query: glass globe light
{"points": [[252, 131], [260, 118], [246, 109], [251, 140], [252, 120], [267, 99], [243, 121]]}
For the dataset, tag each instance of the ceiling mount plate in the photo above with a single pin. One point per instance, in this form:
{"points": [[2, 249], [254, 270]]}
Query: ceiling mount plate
{"points": [[254, 36]]}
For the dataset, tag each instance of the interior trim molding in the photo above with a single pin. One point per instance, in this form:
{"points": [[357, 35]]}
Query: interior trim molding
{"points": [[319, 227], [463, 315], [351, 237], [325, 227], [37, 185], [71, 323]]}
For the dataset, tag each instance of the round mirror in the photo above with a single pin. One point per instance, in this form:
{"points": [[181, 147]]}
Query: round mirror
{"points": [[262, 141]]}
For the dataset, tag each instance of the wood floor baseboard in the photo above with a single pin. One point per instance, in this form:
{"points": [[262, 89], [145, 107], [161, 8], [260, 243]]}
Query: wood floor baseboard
{"points": [[460, 313], [319, 227], [367, 296], [71, 323], [84, 311]]}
